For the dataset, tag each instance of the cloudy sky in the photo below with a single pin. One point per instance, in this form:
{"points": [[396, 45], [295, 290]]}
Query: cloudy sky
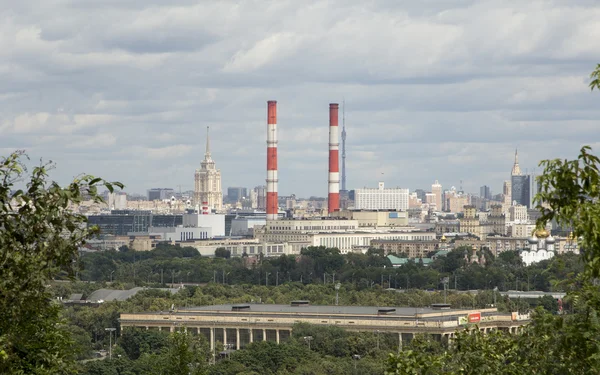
{"points": [[434, 89]]}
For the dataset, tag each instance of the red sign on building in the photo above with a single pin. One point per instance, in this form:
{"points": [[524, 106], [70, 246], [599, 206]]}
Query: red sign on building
{"points": [[474, 317]]}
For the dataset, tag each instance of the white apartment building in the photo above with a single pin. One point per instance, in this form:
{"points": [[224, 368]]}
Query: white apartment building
{"points": [[381, 198], [346, 235], [518, 213], [250, 247]]}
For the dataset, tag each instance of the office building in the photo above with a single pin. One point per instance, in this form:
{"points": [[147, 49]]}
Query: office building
{"points": [[485, 192], [236, 194], [159, 194], [520, 185], [381, 198], [436, 189], [122, 222]]}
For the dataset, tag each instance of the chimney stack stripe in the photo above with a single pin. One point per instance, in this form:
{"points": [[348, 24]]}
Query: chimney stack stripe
{"points": [[272, 202], [334, 164]]}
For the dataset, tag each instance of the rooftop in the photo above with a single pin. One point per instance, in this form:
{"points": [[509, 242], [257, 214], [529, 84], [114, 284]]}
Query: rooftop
{"points": [[373, 312]]}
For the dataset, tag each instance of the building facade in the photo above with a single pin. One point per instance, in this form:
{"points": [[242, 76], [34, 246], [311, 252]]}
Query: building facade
{"points": [[159, 194], [240, 325], [123, 222], [469, 223], [381, 198], [207, 182], [436, 190]]}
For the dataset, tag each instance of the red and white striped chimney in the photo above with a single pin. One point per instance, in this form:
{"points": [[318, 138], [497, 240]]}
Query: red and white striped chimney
{"points": [[334, 160], [272, 205], [204, 208]]}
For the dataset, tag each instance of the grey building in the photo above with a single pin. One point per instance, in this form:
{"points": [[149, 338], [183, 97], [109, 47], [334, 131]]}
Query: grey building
{"points": [[235, 194], [121, 222], [520, 190], [485, 192], [156, 194]]}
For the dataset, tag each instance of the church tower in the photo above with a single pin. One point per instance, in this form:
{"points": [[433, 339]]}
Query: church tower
{"points": [[207, 182]]}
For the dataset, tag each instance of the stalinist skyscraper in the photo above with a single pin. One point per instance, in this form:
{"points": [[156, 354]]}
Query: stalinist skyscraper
{"points": [[207, 187]]}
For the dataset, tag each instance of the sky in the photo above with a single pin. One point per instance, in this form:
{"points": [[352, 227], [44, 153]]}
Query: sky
{"points": [[433, 89]]}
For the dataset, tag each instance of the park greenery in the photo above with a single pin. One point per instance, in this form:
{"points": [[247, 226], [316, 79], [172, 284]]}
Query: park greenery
{"points": [[168, 264]]}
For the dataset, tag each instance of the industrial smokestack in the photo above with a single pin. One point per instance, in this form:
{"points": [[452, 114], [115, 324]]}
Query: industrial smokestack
{"points": [[334, 164], [204, 208], [272, 205]]}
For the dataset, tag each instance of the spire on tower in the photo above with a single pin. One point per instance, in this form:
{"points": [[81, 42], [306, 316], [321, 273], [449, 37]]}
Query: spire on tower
{"points": [[207, 153], [516, 170]]}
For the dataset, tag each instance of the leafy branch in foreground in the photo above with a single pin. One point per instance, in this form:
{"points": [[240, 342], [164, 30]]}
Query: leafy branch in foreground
{"points": [[570, 195], [595, 76], [40, 238]]}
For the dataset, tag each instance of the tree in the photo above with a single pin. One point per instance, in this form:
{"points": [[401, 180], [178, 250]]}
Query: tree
{"points": [[185, 354], [221, 252], [552, 344], [570, 194], [40, 239], [595, 76]]}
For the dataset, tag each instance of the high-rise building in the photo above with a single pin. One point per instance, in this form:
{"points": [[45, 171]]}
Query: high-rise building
{"points": [[507, 192], [159, 194], [420, 194], [381, 198], [485, 192], [236, 194], [520, 184], [261, 197], [207, 182], [436, 189]]}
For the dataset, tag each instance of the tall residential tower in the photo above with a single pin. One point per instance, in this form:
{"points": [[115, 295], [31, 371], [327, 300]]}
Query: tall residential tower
{"points": [[207, 182], [520, 184]]}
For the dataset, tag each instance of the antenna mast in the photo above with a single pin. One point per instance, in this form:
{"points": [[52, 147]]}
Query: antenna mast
{"points": [[344, 145]]}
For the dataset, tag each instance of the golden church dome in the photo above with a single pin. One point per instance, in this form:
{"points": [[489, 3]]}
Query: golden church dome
{"points": [[542, 233]]}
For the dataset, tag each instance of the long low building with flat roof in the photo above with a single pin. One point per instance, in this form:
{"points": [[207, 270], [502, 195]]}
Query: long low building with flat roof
{"points": [[241, 324]]}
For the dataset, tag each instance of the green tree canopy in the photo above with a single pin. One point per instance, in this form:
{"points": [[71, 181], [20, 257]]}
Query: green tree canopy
{"points": [[39, 240]]}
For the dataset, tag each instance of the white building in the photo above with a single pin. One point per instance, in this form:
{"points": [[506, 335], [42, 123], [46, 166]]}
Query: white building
{"points": [[117, 201], [346, 235], [207, 182], [518, 213], [250, 247], [180, 233], [216, 222], [381, 198], [541, 247]]}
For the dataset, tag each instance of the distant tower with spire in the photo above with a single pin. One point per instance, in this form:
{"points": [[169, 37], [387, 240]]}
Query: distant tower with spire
{"points": [[516, 170], [520, 185], [207, 181]]}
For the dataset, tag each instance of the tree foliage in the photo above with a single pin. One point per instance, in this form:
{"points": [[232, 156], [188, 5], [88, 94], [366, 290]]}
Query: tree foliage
{"points": [[40, 238], [570, 194]]}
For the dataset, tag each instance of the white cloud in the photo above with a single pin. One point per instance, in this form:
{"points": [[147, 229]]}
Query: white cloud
{"points": [[434, 90]]}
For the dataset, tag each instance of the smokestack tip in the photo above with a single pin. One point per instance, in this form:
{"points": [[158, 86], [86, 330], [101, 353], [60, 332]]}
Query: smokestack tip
{"points": [[334, 105], [271, 101]]}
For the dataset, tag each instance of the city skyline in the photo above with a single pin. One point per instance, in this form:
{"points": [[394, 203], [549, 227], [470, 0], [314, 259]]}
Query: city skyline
{"points": [[449, 101]]}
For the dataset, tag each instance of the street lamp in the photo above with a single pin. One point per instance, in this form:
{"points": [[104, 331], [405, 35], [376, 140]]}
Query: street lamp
{"points": [[355, 357], [267, 278], [495, 291], [308, 339], [377, 332], [337, 293], [110, 331], [111, 273]]}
